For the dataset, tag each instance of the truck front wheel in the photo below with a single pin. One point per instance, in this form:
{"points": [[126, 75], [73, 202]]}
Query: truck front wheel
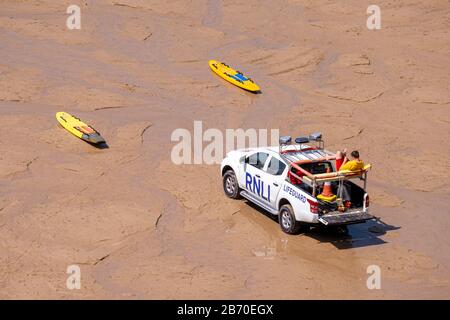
{"points": [[287, 221], [230, 185]]}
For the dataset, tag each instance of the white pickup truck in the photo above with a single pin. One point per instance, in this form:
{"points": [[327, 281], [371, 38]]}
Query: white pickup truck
{"points": [[299, 183]]}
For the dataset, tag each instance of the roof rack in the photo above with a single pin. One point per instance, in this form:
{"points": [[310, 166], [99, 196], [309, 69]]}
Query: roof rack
{"points": [[301, 151]]}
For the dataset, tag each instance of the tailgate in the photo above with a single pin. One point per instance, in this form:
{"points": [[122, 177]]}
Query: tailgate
{"points": [[337, 218]]}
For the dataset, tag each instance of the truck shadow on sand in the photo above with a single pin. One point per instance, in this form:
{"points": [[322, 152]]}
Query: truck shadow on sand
{"points": [[353, 236]]}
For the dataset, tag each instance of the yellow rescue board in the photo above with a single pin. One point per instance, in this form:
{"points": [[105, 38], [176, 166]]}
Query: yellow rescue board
{"points": [[78, 128], [235, 77]]}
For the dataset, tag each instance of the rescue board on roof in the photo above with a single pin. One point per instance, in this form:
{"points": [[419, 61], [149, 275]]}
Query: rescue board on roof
{"points": [[235, 77], [78, 128]]}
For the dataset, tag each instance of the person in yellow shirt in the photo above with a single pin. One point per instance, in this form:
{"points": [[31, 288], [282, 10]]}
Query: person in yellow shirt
{"points": [[355, 164]]}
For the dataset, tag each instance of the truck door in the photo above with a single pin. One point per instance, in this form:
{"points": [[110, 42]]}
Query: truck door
{"points": [[255, 176], [275, 175]]}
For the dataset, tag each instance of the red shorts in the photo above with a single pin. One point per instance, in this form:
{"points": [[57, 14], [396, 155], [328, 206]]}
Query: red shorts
{"points": [[339, 163]]}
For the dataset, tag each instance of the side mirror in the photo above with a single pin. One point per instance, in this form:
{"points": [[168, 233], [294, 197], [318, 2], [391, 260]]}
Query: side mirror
{"points": [[243, 160]]}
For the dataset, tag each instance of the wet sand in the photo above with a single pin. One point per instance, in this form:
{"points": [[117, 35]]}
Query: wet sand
{"points": [[141, 227]]}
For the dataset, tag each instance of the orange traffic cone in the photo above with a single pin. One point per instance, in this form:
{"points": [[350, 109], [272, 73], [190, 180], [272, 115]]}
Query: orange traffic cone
{"points": [[327, 194]]}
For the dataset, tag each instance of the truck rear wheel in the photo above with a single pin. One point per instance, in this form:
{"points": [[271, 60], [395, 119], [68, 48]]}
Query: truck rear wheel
{"points": [[287, 221], [230, 185]]}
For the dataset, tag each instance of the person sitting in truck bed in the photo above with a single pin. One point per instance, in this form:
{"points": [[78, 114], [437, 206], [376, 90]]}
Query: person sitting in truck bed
{"points": [[341, 156], [355, 164]]}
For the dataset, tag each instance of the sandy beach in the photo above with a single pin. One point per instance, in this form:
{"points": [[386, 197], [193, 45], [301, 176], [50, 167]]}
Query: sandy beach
{"points": [[140, 226]]}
